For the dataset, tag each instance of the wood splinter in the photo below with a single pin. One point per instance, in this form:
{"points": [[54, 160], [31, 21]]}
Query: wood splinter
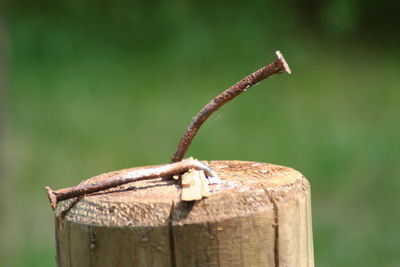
{"points": [[194, 185]]}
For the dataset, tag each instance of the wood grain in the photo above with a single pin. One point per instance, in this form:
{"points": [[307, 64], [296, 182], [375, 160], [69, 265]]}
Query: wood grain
{"points": [[259, 216]]}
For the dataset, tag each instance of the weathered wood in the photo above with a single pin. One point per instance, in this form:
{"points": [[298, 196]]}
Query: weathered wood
{"points": [[259, 216]]}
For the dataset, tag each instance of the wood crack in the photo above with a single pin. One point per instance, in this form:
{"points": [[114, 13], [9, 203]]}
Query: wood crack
{"points": [[171, 235], [276, 228]]}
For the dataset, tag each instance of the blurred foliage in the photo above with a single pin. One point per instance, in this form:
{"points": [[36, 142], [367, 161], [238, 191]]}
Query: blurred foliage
{"points": [[95, 86]]}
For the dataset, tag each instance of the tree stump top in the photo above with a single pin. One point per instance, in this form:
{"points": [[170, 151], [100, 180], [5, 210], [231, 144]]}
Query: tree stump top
{"points": [[247, 187]]}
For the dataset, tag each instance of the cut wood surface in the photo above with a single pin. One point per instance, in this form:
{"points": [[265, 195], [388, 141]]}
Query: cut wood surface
{"points": [[259, 216]]}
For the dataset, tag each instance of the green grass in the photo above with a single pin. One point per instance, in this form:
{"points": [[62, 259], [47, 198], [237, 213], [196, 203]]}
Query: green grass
{"points": [[79, 107]]}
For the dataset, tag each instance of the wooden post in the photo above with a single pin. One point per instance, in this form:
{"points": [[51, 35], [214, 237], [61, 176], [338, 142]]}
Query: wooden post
{"points": [[259, 216]]}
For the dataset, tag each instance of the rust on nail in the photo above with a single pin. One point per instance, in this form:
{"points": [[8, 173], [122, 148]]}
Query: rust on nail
{"points": [[278, 66], [133, 176]]}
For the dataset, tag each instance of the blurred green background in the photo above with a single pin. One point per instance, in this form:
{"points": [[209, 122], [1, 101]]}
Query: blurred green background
{"points": [[93, 86]]}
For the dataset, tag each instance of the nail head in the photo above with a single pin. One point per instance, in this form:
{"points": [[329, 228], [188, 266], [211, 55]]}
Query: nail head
{"points": [[52, 197], [284, 63]]}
